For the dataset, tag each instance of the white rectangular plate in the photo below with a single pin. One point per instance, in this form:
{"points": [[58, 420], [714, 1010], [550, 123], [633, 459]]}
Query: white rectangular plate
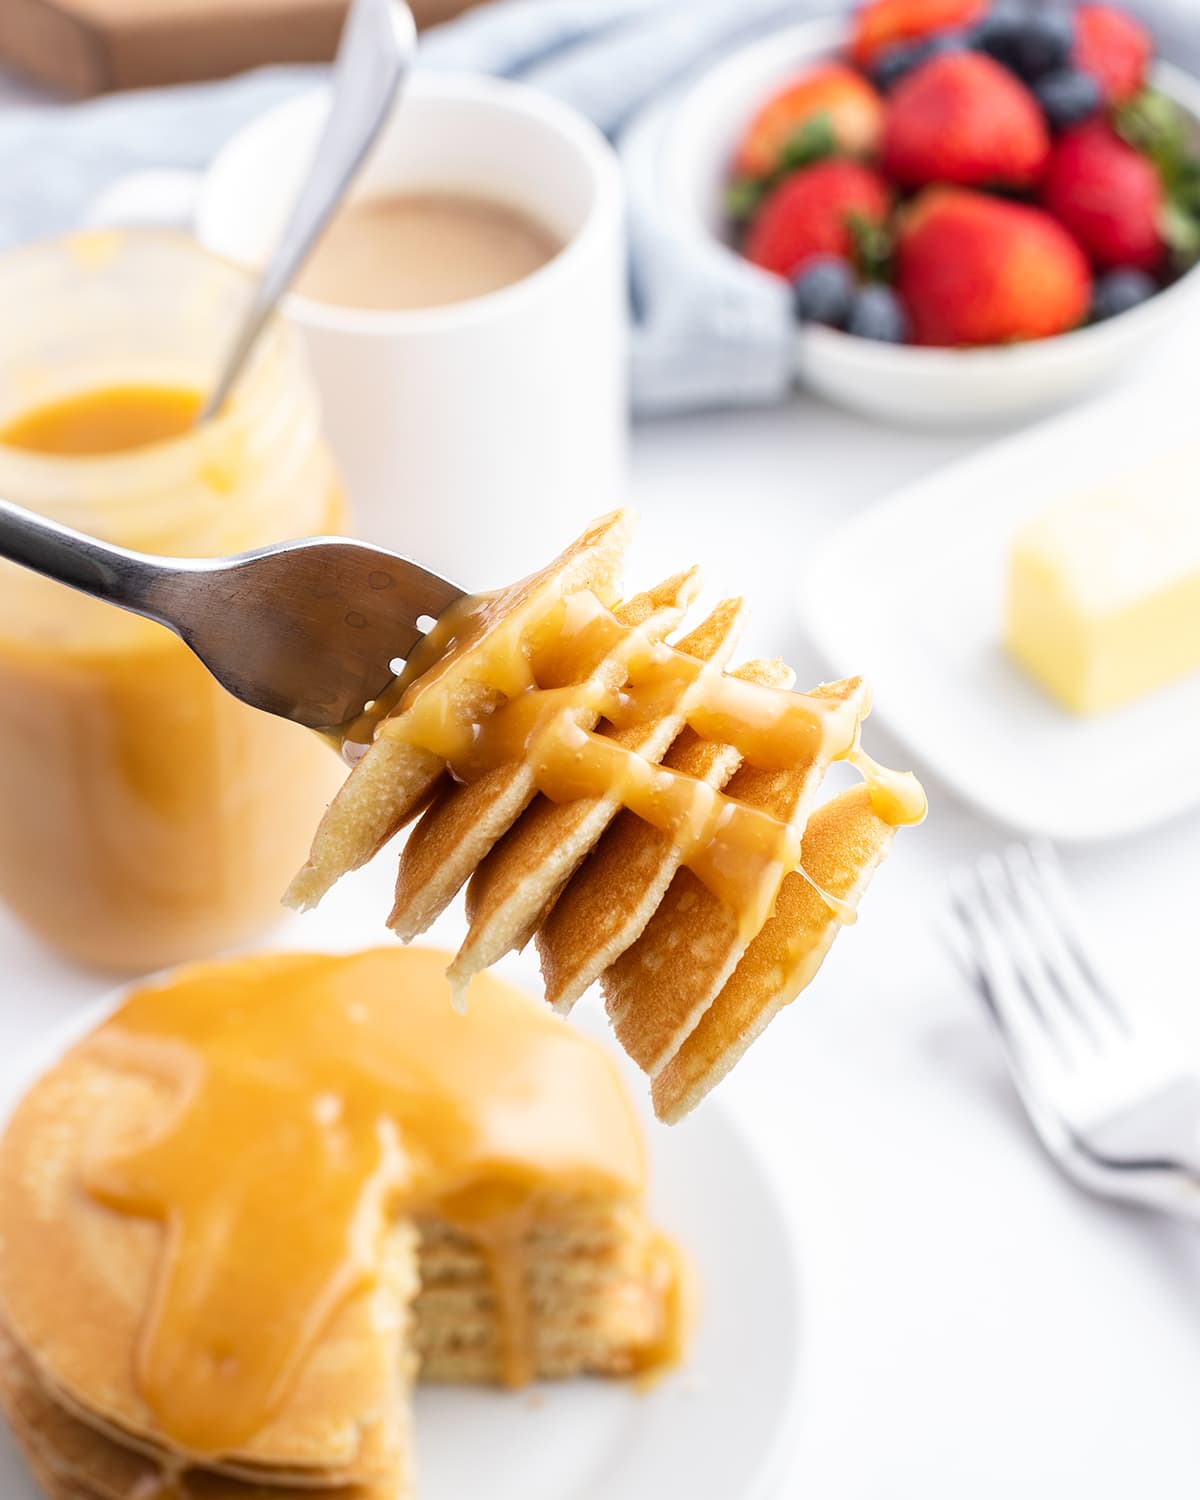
{"points": [[911, 595]]}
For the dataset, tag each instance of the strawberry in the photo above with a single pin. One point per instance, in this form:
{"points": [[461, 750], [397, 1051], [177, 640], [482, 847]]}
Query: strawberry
{"points": [[1114, 49], [964, 118], [973, 269], [881, 24], [813, 212], [1109, 196], [833, 96]]}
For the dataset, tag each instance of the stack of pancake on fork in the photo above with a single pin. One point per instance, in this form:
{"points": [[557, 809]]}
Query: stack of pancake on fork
{"points": [[649, 817]]}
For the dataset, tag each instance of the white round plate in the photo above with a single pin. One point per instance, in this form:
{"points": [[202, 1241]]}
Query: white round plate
{"points": [[717, 1429]]}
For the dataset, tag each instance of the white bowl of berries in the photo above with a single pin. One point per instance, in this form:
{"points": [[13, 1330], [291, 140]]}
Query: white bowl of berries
{"points": [[983, 209]]}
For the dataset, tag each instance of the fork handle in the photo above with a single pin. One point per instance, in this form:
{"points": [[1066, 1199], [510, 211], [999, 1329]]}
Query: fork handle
{"points": [[133, 580]]}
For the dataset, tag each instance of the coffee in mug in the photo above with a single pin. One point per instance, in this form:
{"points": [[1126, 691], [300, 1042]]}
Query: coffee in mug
{"points": [[424, 249]]}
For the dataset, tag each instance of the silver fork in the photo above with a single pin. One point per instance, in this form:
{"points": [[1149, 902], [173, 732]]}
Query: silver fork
{"points": [[1108, 1093], [309, 630]]}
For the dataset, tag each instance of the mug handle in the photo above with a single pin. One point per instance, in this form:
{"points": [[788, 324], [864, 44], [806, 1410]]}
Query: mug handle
{"points": [[165, 198]]}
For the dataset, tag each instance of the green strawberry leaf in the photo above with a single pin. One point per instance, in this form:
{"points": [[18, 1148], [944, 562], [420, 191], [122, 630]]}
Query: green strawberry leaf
{"points": [[872, 247], [813, 142], [743, 196], [1181, 232], [1185, 188], [1151, 122], [1156, 126]]}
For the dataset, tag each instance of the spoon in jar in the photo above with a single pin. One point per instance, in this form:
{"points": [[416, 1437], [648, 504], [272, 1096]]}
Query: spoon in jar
{"points": [[374, 55]]}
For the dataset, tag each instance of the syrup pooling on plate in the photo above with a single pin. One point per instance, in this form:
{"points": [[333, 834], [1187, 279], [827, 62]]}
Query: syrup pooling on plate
{"points": [[535, 697], [317, 1099]]}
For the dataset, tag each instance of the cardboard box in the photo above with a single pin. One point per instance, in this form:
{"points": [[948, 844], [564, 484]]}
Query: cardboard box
{"points": [[82, 47]]}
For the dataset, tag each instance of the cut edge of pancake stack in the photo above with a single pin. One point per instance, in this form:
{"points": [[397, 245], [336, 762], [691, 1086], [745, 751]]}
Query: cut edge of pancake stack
{"points": [[604, 895], [601, 1281]]}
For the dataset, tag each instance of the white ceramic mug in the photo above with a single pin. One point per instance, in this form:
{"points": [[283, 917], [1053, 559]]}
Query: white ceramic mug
{"points": [[481, 436]]}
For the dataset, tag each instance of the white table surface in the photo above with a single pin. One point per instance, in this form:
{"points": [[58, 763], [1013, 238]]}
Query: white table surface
{"points": [[974, 1326]]}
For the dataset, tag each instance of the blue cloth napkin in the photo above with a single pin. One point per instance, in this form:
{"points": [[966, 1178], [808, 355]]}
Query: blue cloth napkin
{"points": [[706, 329]]}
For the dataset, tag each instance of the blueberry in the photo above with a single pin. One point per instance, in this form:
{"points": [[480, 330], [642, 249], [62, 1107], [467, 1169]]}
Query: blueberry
{"points": [[1031, 43], [1047, 43], [1119, 291], [1068, 97], [824, 291], [878, 314], [897, 62], [997, 33], [902, 58]]}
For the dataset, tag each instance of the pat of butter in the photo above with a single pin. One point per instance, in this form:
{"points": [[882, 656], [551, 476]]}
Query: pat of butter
{"points": [[1104, 588]]}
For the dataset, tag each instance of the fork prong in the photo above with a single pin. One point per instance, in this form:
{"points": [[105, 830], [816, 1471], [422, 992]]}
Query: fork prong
{"points": [[1041, 996], [959, 934], [1056, 895], [1061, 1114], [966, 943], [1004, 984], [1075, 993]]}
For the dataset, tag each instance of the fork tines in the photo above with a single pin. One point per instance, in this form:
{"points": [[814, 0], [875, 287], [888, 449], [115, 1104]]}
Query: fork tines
{"points": [[1030, 958]]}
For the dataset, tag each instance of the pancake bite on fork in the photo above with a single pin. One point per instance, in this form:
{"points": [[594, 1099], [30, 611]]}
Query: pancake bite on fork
{"points": [[648, 816]]}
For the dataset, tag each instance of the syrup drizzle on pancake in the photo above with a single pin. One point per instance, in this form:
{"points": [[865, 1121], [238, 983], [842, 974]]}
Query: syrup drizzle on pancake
{"points": [[537, 693], [316, 1099]]}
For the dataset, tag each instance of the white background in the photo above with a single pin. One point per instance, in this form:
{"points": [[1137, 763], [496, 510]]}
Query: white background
{"points": [[973, 1327]]}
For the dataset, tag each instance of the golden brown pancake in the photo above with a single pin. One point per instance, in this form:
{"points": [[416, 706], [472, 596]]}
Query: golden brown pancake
{"points": [[621, 797], [466, 820], [657, 990], [844, 842], [75, 1461], [519, 880], [606, 908]]}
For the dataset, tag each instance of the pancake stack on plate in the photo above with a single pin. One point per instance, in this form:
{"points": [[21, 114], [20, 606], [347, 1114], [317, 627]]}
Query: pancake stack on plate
{"points": [[241, 1217], [582, 777]]}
